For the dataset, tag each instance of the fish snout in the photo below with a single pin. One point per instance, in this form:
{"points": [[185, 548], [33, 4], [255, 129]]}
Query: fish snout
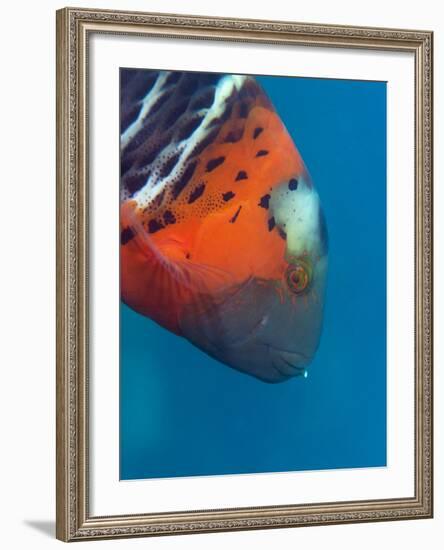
{"points": [[289, 363]]}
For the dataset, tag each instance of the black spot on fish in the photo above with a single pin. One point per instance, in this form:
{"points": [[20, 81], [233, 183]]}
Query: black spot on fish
{"points": [[282, 234], [271, 224], [228, 196], [214, 163], [241, 175], [293, 184], [265, 201], [204, 101], [172, 78], [158, 199], [257, 132], [196, 193], [262, 153], [189, 127], [234, 136], [205, 142], [168, 217], [234, 218], [161, 101], [243, 110], [154, 226], [169, 165], [126, 235], [134, 182], [184, 179], [175, 113]]}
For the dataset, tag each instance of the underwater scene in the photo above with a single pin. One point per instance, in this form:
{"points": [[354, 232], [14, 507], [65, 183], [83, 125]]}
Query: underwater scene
{"points": [[253, 274]]}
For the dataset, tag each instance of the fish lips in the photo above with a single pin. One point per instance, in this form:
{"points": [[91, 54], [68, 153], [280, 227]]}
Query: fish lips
{"points": [[289, 363], [264, 362]]}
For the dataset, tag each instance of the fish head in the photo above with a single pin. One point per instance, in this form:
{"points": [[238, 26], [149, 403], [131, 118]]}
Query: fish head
{"points": [[223, 240], [270, 328]]}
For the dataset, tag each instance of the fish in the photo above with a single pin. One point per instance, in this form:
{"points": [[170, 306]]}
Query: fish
{"points": [[223, 240]]}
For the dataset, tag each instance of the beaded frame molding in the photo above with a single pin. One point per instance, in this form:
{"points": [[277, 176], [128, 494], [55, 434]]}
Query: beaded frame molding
{"points": [[74, 521]]}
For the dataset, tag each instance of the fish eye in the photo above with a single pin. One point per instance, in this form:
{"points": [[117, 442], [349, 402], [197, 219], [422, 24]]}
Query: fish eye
{"points": [[297, 277]]}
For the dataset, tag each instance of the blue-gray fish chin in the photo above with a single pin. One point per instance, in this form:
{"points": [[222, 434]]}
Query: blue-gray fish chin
{"points": [[255, 332]]}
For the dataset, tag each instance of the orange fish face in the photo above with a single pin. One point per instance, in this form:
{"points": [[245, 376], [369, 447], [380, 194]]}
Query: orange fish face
{"points": [[223, 237]]}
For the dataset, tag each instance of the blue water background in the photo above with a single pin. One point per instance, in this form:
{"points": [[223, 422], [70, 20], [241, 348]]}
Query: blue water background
{"points": [[184, 414]]}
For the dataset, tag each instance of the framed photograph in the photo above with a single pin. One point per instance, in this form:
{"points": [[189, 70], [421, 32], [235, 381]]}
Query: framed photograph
{"points": [[244, 274]]}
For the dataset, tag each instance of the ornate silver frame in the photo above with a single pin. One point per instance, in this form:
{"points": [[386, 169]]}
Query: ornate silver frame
{"points": [[74, 521]]}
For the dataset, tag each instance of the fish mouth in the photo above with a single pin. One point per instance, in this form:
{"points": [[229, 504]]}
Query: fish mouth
{"points": [[288, 363]]}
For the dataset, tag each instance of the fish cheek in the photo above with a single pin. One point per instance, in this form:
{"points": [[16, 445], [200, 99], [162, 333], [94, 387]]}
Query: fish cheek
{"points": [[222, 320]]}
